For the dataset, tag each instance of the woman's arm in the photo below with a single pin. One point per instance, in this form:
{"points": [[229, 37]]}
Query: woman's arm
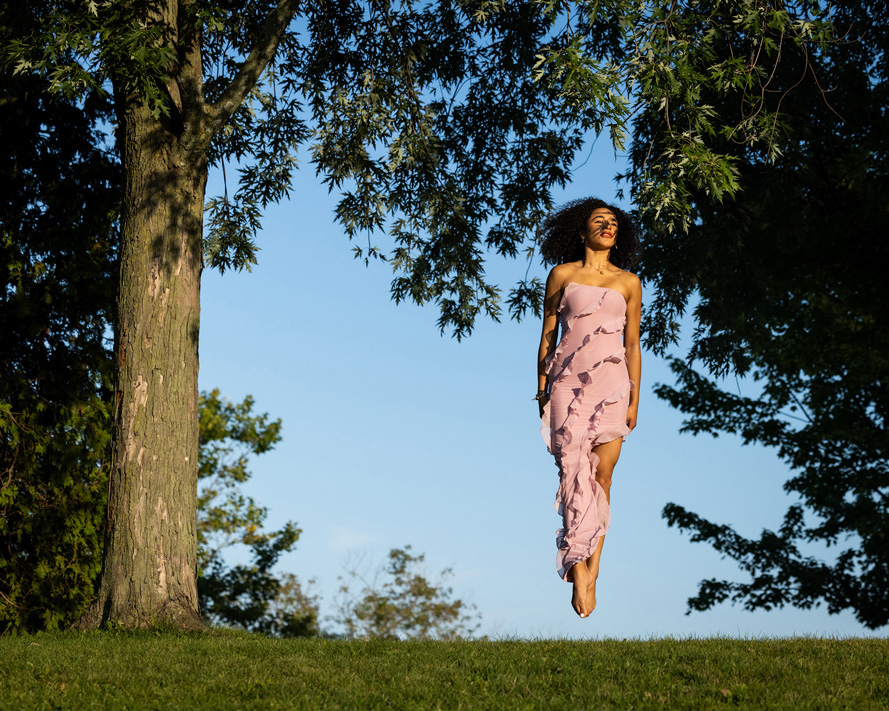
{"points": [[551, 299], [634, 351]]}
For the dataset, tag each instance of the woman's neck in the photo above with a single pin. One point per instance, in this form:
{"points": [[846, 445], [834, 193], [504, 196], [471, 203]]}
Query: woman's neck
{"points": [[596, 258]]}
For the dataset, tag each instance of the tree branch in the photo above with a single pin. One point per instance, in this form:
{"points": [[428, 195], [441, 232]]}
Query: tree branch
{"points": [[188, 82], [270, 36]]}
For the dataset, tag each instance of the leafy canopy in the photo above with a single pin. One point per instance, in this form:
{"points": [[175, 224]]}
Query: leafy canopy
{"points": [[786, 283], [443, 125]]}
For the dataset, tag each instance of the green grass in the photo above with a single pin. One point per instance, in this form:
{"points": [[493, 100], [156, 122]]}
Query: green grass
{"points": [[239, 671]]}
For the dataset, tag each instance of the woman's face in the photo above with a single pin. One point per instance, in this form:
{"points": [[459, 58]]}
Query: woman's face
{"points": [[601, 228]]}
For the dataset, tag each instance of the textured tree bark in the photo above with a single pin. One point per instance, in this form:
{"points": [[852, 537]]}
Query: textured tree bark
{"points": [[149, 574], [150, 566]]}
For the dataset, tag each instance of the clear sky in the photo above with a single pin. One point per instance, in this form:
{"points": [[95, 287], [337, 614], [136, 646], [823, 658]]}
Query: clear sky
{"points": [[395, 435]]}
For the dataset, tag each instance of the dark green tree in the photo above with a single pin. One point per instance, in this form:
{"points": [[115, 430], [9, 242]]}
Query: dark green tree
{"points": [[758, 163], [58, 245], [788, 282]]}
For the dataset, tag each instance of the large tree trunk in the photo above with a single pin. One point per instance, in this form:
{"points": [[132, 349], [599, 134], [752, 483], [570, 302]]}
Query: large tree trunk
{"points": [[149, 576]]}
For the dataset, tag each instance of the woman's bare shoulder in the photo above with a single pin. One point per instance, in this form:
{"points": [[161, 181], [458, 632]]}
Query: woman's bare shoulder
{"points": [[626, 283], [561, 274], [629, 280], [632, 280]]}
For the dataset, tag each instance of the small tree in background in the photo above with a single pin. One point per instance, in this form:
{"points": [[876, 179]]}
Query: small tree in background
{"points": [[406, 605], [247, 596]]}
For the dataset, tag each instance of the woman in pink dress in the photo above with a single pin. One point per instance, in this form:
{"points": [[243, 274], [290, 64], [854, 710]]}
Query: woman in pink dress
{"points": [[588, 377]]}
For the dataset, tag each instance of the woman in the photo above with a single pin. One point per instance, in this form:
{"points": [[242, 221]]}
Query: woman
{"points": [[588, 382]]}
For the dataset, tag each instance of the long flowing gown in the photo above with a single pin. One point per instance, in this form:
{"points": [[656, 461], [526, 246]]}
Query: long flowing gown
{"points": [[589, 395]]}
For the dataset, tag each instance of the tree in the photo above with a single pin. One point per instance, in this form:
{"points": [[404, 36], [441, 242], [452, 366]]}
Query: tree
{"points": [[59, 256], [247, 596], [758, 162], [58, 237], [789, 280], [406, 606], [427, 115]]}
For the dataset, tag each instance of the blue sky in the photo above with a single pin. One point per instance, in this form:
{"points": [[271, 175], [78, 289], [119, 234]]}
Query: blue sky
{"points": [[395, 435]]}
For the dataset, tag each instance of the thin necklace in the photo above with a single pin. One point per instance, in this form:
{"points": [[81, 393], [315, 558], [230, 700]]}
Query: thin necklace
{"points": [[600, 268]]}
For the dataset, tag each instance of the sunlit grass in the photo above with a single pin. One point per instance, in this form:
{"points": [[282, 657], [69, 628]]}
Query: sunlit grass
{"points": [[239, 671]]}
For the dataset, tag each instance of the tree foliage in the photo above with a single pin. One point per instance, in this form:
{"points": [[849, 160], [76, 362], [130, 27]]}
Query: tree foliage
{"points": [[57, 256], [694, 78], [426, 117], [787, 285], [249, 596], [405, 605]]}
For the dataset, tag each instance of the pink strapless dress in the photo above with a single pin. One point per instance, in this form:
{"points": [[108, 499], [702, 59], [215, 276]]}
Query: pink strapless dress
{"points": [[589, 395]]}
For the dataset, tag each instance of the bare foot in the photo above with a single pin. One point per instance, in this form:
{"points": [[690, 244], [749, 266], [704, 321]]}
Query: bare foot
{"points": [[591, 594], [582, 580], [592, 566]]}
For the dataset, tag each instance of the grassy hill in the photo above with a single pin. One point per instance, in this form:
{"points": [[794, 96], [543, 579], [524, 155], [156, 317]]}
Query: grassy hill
{"points": [[239, 671]]}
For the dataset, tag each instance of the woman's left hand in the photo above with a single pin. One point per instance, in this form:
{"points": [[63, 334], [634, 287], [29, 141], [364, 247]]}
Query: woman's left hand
{"points": [[632, 413]]}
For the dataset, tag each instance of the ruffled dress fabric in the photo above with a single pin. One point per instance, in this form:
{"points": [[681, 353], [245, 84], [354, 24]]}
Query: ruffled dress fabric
{"points": [[589, 395]]}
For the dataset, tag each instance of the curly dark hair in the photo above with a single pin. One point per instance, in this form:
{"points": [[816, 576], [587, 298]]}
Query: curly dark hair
{"points": [[561, 231]]}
